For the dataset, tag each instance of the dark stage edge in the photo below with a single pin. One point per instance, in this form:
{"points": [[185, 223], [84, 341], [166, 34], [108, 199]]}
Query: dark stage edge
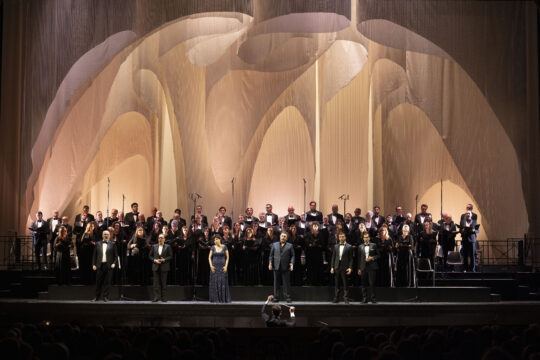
{"points": [[259, 293], [247, 314]]}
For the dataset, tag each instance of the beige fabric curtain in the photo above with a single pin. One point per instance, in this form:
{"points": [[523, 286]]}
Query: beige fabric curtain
{"points": [[380, 100]]}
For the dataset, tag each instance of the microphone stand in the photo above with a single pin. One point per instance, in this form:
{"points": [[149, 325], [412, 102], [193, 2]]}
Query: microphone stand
{"points": [[344, 197], [108, 198], [194, 197], [232, 200], [304, 197]]}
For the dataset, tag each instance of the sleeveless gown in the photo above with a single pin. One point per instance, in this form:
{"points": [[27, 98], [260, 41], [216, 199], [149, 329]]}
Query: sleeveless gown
{"points": [[219, 283]]}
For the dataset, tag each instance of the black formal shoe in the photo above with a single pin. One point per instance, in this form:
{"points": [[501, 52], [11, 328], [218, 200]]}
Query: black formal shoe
{"points": [[274, 300], [94, 299], [155, 300], [373, 301], [364, 301], [105, 299], [346, 301], [335, 301]]}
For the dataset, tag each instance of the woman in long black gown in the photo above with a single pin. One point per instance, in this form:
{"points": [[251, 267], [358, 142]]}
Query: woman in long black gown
{"points": [[267, 276], [298, 244], [250, 251], [427, 242], [202, 251], [314, 255], [136, 249], [88, 242], [218, 259], [183, 256], [235, 252], [62, 243], [404, 245], [386, 248]]}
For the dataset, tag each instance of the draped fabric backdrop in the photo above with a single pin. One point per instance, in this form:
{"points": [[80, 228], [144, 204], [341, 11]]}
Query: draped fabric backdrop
{"points": [[380, 100]]}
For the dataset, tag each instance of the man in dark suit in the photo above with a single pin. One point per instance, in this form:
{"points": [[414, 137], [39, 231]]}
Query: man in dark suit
{"points": [[291, 217], [467, 229], [275, 319], [249, 219], [367, 269], [377, 218], [270, 217], [334, 217], [281, 262], [132, 218], [40, 230], [224, 218], [160, 255], [341, 267], [419, 219], [398, 218], [104, 261], [313, 214]]}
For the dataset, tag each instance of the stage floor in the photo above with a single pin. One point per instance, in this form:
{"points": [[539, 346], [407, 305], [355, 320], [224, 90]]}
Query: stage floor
{"points": [[246, 314]]}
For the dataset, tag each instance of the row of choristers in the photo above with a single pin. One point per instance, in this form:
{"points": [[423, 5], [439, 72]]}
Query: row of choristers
{"points": [[399, 240]]}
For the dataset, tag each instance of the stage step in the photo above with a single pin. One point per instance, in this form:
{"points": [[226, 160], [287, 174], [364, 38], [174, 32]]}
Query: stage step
{"points": [[259, 293]]}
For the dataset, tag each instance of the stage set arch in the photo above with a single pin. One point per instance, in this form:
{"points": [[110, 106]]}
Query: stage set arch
{"points": [[384, 101]]}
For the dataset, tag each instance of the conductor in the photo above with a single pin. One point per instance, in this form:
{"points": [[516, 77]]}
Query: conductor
{"points": [[274, 320]]}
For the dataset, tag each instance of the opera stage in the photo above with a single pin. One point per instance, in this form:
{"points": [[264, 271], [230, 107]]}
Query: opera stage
{"points": [[246, 314]]}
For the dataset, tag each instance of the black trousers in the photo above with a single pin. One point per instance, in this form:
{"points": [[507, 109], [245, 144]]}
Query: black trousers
{"points": [[340, 282], [160, 284], [103, 280], [40, 249], [282, 279], [368, 276], [469, 250]]}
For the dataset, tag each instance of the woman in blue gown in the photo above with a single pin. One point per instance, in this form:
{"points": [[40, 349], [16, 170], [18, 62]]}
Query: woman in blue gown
{"points": [[219, 283]]}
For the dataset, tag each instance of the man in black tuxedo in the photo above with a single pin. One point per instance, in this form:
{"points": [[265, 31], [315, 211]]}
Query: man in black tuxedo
{"points": [[85, 210], [341, 267], [132, 218], [53, 221], [313, 214], [224, 218], [104, 261], [377, 218], [367, 269], [275, 319], [467, 229], [160, 255], [40, 230], [281, 262], [249, 219], [291, 218], [419, 219], [270, 217], [335, 216]]}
